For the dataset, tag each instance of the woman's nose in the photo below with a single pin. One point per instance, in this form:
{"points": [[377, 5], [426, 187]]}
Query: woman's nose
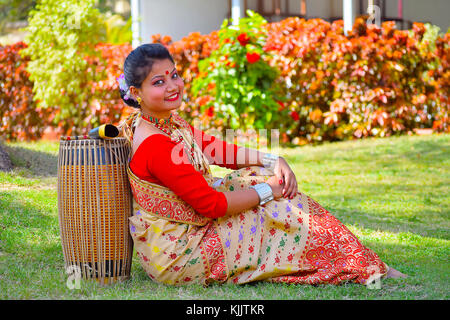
{"points": [[172, 85]]}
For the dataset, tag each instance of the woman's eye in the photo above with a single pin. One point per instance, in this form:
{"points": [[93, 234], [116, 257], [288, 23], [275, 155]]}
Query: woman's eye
{"points": [[175, 75], [158, 82]]}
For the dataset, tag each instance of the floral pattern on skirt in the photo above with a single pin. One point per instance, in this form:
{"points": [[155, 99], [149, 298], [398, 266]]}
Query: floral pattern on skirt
{"points": [[291, 240]]}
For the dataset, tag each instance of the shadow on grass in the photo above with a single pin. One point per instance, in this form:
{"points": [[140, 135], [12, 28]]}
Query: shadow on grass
{"points": [[40, 164]]}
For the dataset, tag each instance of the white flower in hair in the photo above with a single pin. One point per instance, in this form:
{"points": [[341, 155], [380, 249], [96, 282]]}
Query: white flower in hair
{"points": [[123, 86]]}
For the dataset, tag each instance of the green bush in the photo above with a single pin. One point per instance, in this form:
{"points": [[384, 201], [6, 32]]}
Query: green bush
{"points": [[62, 36]]}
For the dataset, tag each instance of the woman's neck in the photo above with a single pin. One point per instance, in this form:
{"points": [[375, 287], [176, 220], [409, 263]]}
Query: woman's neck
{"points": [[158, 115]]}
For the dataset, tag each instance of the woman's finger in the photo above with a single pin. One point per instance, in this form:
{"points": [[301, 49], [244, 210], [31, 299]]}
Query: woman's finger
{"points": [[292, 187], [288, 187]]}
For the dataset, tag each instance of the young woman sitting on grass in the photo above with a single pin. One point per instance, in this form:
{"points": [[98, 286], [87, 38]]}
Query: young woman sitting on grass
{"points": [[251, 225]]}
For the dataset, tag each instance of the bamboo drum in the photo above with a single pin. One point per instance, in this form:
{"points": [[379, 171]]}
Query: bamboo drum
{"points": [[94, 204]]}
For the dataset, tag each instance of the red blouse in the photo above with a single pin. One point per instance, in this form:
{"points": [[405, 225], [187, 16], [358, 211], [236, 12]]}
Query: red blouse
{"points": [[152, 162]]}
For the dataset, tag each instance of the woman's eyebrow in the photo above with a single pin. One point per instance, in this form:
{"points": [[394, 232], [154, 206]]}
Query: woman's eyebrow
{"points": [[160, 75]]}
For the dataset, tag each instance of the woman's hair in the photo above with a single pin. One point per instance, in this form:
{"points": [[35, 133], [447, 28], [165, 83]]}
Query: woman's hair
{"points": [[138, 64]]}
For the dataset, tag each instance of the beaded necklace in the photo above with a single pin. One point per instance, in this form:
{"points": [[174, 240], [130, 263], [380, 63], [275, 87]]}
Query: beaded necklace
{"points": [[167, 126]]}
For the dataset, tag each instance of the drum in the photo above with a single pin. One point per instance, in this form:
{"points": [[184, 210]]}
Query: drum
{"points": [[94, 204]]}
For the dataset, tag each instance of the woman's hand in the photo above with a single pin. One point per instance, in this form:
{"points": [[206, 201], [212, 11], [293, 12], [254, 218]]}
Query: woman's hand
{"points": [[284, 172], [277, 187]]}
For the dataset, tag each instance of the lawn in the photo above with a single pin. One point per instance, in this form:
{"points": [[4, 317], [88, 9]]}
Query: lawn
{"points": [[393, 193]]}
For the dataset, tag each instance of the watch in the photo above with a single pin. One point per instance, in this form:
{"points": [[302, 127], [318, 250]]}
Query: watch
{"points": [[264, 192], [269, 160]]}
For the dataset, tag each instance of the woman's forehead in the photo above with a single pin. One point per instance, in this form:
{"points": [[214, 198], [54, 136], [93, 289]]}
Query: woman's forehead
{"points": [[161, 68]]}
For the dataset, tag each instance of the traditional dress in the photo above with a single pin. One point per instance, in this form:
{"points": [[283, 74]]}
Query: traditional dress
{"points": [[182, 234]]}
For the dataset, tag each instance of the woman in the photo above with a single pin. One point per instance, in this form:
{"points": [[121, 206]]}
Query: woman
{"points": [[252, 225]]}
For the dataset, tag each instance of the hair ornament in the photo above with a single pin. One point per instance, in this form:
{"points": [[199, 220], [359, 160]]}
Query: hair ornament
{"points": [[123, 86]]}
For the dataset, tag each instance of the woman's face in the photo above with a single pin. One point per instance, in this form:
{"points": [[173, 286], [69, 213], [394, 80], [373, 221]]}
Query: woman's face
{"points": [[162, 90]]}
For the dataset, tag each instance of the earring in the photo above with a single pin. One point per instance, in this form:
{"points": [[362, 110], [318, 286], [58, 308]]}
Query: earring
{"points": [[139, 100]]}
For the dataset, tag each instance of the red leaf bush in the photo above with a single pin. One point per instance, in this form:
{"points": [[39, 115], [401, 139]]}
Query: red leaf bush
{"points": [[21, 119], [369, 83]]}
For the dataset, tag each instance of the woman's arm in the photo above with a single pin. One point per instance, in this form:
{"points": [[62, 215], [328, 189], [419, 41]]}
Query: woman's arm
{"points": [[241, 200]]}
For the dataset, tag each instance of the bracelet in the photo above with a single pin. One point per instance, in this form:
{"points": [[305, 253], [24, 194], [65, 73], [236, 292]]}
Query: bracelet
{"points": [[269, 160], [264, 192]]}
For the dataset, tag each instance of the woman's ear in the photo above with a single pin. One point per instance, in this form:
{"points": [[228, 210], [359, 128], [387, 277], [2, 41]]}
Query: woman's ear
{"points": [[134, 92]]}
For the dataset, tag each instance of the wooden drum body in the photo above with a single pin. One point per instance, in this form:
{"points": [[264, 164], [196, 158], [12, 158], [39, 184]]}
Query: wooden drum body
{"points": [[94, 204]]}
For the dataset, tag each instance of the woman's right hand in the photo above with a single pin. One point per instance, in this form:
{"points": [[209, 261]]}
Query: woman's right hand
{"points": [[277, 188]]}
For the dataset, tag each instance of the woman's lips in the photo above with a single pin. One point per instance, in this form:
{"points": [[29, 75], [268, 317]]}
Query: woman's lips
{"points": [[173, 97]]}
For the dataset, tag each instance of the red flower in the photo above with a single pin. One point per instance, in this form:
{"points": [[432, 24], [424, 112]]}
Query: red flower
{"points": [[295, 115], [243, 39], [281, 105], [253, 57], [210, 112]]}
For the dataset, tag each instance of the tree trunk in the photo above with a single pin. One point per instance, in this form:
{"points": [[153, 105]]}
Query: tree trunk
{"points": [[5, 162]]}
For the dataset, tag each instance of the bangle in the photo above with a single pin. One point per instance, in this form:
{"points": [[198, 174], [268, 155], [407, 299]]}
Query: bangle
{"points": [[264, 192], [269, 160]]}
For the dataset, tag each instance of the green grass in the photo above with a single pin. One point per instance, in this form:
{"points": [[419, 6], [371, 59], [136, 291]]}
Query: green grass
{"points": [[392, 193]]}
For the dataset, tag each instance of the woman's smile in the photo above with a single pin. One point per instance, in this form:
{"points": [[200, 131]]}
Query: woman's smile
{"points": [[173, 97]]}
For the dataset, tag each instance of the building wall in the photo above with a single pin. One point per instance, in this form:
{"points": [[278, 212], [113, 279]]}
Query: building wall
{"points": [[433, 11], [178, 18]]}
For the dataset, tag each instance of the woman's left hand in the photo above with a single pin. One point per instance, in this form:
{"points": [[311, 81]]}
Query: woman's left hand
{"points": [[285, 173]]}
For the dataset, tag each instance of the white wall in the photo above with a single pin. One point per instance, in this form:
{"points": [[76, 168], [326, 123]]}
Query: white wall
{"points": [[178, 18], [435, 11]]}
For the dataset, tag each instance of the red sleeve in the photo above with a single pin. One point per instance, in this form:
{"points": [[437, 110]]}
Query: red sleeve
{"points": [[153, 162], [218, 152]]}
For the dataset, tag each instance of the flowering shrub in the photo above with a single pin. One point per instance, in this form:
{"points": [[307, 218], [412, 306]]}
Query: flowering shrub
{"points": [[236, 82]]}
